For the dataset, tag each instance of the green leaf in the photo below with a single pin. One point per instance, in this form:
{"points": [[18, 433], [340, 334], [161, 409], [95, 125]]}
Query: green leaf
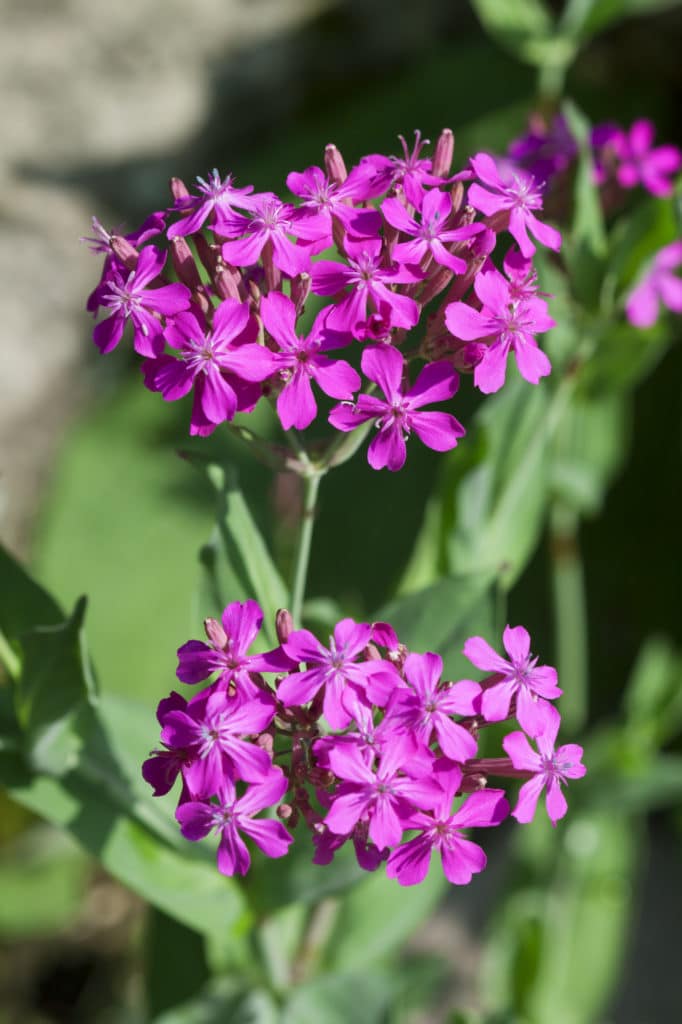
{"points": [[175, 962], [653, 699], [272, 884], [556, 949], [184, 885], [378, 916], [224, 1002], [236, 560], [525, 29], [589, 448], [586, 246], [55, 693], [441, 617], [363, 998], [23, 603], [499, 507]]}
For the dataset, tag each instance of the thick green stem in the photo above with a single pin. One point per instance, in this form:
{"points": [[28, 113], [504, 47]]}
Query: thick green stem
{"points": [[311, 484], [570, 616]]}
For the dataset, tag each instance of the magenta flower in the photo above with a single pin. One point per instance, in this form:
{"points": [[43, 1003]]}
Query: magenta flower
{"points": [[216, 198], [301, 359], [432, 234], [517, 192], [521, 677], [546, 149], [129, 298], [411, 170], [510, 323], [231, 816], [162, 767], [370, 284], [213, 363], [442, 831], [227, 651], [640, 164], [323, 198], [271, 223], [658, 285], [326, 843], [212, 730], [383, 795], [426, 707], [333, 668], [398, 414], [550, 770]]}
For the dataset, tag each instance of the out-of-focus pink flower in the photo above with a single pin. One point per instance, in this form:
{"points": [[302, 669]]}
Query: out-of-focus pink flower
{"points": [[659, 285]]}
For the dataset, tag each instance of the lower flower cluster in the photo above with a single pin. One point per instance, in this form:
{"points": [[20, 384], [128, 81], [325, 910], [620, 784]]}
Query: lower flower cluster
{"points": [[361, 740]]}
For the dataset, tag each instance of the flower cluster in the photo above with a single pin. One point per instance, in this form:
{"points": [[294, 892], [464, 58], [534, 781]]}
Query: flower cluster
{"points": [[370, 248], [627, 157], [360, 740], [623, 160]]}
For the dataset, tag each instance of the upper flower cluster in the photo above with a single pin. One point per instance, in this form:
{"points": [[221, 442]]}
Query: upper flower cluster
{"points": [[374, 744], [626, 156], [370, 248], [623, 160]]}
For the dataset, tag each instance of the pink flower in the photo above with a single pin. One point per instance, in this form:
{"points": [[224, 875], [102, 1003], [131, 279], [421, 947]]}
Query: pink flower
{"points": [[370, 283], [641, 164], [411, 170], [129, 298], [212, 729], [517, 192], [301, 359], [441, 831], [333, 668], [510, 323], [432, 235], [216, 197], [383, 795], [323, 198], [550, 770], [397, 415], [426, 708], [230, 816], [214, 363], [227, 651], [521, 677], [658, 285], [271, 224]]}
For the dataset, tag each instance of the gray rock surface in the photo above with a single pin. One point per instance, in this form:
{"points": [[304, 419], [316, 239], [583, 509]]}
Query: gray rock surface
{"points": [[85, 82]]}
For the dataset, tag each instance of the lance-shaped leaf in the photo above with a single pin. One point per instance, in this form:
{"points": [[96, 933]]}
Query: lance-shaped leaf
{"points": [[236, 561]]}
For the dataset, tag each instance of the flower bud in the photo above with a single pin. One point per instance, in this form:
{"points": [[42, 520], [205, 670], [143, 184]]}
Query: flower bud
{"points": [[215, 633], [443, 154], [183, 262], [126, 253], [334, 164], [178, 188], [284, 625], [300, 290]]}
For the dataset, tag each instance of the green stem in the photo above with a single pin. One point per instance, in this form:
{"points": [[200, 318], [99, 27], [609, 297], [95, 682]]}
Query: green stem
{"points": [[9, 658], [570, 615], [311, 485]]}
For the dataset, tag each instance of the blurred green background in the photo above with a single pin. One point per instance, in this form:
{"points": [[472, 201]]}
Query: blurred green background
{"points": [[121, 519]]}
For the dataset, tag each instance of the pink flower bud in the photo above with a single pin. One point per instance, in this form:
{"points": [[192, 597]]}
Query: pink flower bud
{"points": [[334, 164], [284, 625], [126, 252], [178, 188], [183, 262], [215, 633], [443, 154]]}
